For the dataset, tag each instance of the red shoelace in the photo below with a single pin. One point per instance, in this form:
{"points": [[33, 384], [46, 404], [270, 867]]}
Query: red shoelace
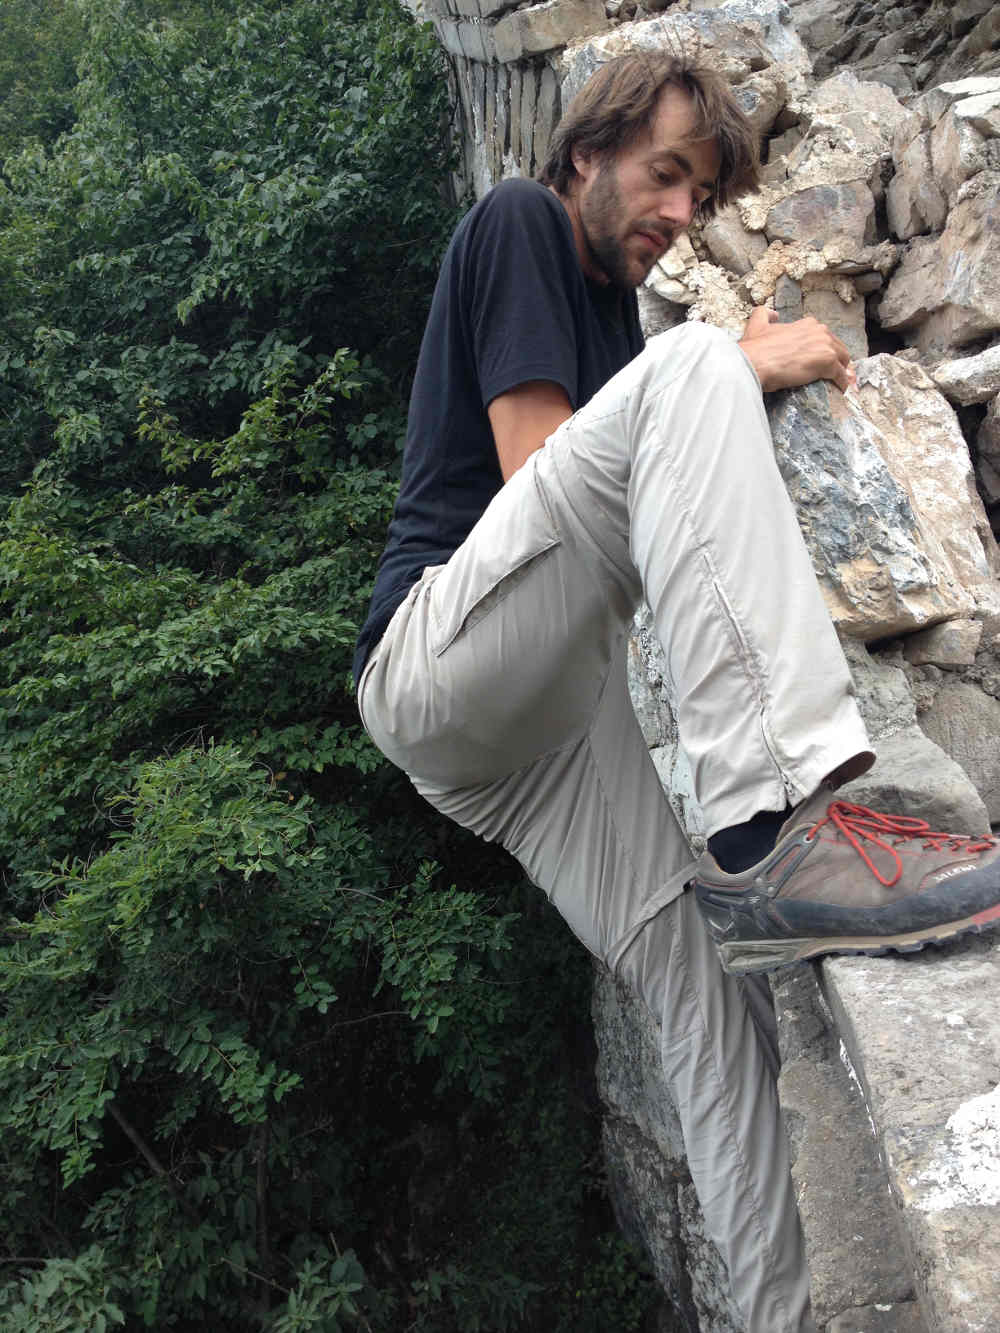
{"points": [[859, 825]]}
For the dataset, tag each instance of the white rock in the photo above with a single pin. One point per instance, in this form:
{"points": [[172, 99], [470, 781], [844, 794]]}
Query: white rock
{"points": [[730, 244], [957, 152], [982, 111], [914, 202], [929, 452], [883, 487], [970, 379], [946, 291], [936, 101]]}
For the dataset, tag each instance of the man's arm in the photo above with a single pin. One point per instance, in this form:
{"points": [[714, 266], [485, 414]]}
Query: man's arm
{"points": [[523, 418], [787, 355], [783, 355]]}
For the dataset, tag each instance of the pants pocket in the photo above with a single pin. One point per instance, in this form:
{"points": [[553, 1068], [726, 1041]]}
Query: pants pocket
{"points": [[513, 533]]}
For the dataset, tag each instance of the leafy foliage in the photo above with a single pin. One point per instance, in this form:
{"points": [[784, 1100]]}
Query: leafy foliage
{"points": [[279, 1051]]}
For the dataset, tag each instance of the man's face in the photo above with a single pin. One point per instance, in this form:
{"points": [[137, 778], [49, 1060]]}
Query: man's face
{"points": [[629, 207]]}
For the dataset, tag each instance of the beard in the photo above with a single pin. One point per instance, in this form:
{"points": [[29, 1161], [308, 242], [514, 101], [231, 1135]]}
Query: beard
{"points": [[603, 216]]}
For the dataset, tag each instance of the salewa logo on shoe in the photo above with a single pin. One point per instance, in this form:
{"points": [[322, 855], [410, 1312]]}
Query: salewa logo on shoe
{"points": [[953, 870]]}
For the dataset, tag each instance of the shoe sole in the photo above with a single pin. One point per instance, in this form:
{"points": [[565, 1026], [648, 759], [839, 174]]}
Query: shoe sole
{"points": [[742, 956]]}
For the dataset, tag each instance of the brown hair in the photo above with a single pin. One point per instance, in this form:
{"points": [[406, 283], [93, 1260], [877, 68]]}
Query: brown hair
{"points": [[618, 103]]}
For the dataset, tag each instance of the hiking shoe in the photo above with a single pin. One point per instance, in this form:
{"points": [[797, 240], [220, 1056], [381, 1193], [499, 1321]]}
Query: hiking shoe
{"points": [[845, 879]]}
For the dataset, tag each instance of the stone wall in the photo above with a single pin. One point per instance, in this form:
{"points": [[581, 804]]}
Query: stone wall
{"points": [[880, 215]]}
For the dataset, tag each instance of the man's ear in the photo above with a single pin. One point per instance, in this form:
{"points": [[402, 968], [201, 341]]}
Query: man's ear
{"points": [[585, 162]]}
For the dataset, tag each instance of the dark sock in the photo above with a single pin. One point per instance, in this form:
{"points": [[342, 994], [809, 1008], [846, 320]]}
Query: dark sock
{"points": [[742, 845]]}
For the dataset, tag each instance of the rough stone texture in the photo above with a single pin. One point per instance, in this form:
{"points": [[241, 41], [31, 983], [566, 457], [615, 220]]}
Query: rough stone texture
{"points": [[852, 1233], [970, 379], [952, 644], [988, 436], [546, 27], [823, 298], [834, 214], [914, 201], [739, 38], [927, 452], [881, 563], [730, 245], [946, 292], [915, 776], [881, 1318], [965, 723], [921, 1033]]}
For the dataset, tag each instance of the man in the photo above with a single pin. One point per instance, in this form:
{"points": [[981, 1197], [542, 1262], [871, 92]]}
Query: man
{"points": [[492, 667]]}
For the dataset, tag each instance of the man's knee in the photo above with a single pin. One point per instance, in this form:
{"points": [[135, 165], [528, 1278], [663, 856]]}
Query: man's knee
{"points": [[696, 348]]}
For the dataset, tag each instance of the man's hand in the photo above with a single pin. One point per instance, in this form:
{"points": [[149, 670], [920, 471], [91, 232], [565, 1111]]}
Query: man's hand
{"points": [[787, 355], [523, 418]]}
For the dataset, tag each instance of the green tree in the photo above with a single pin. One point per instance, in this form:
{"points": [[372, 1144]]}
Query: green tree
{"points": [[263, 1065], [39, 44]]}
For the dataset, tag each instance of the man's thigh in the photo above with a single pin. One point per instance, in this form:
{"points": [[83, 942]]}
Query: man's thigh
{"points": [[501, 655]]}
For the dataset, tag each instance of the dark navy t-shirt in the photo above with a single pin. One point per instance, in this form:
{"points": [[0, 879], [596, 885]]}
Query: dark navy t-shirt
{"points": [[512, 304]]}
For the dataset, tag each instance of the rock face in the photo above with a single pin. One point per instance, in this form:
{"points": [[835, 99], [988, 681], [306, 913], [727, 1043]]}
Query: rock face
{"points": [[880, 216], [886, 500]]}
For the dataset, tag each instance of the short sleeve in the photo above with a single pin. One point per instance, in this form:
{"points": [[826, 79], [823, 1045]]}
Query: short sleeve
{"points": [[521, 288]]}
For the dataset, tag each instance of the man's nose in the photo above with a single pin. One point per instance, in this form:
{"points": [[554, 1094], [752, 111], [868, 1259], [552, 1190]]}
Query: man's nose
{"points": [[678, 206]]}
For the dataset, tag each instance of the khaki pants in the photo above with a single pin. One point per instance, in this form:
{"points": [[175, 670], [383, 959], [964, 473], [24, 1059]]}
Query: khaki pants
{"points": [[499, 688]]}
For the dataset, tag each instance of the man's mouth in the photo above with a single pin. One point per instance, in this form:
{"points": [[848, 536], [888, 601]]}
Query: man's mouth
{"points": [[656, 240]]}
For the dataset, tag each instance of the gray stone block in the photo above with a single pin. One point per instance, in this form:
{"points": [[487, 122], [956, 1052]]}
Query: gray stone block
{"points": [[545, 27], [922, 1035], [965, 722], [853, 1242]]}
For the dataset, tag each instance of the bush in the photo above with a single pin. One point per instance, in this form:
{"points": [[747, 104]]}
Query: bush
{"points": [[279, 1051]]}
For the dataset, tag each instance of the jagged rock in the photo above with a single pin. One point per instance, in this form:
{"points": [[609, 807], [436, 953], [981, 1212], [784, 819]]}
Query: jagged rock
{"points": [[966, 13], [546, 27], [965, 722], [970, 379], [914, 776], [656, 313], [936, 101], [853, 1241], [820, 214], [649, 686], [978, 50], [911, 772], [922, 1035], [951, 644], [823, 298], [882, 691], [762, 96], [731, 246], [869, 104], [739, 38], [983, 112], [946, 291], [914, 202], [957, 151], [903, 1317], [988, 436], [878, 493], [901, 400]]}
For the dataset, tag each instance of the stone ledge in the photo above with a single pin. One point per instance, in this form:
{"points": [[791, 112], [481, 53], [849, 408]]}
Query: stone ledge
{"points": [[921, 1034]]}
